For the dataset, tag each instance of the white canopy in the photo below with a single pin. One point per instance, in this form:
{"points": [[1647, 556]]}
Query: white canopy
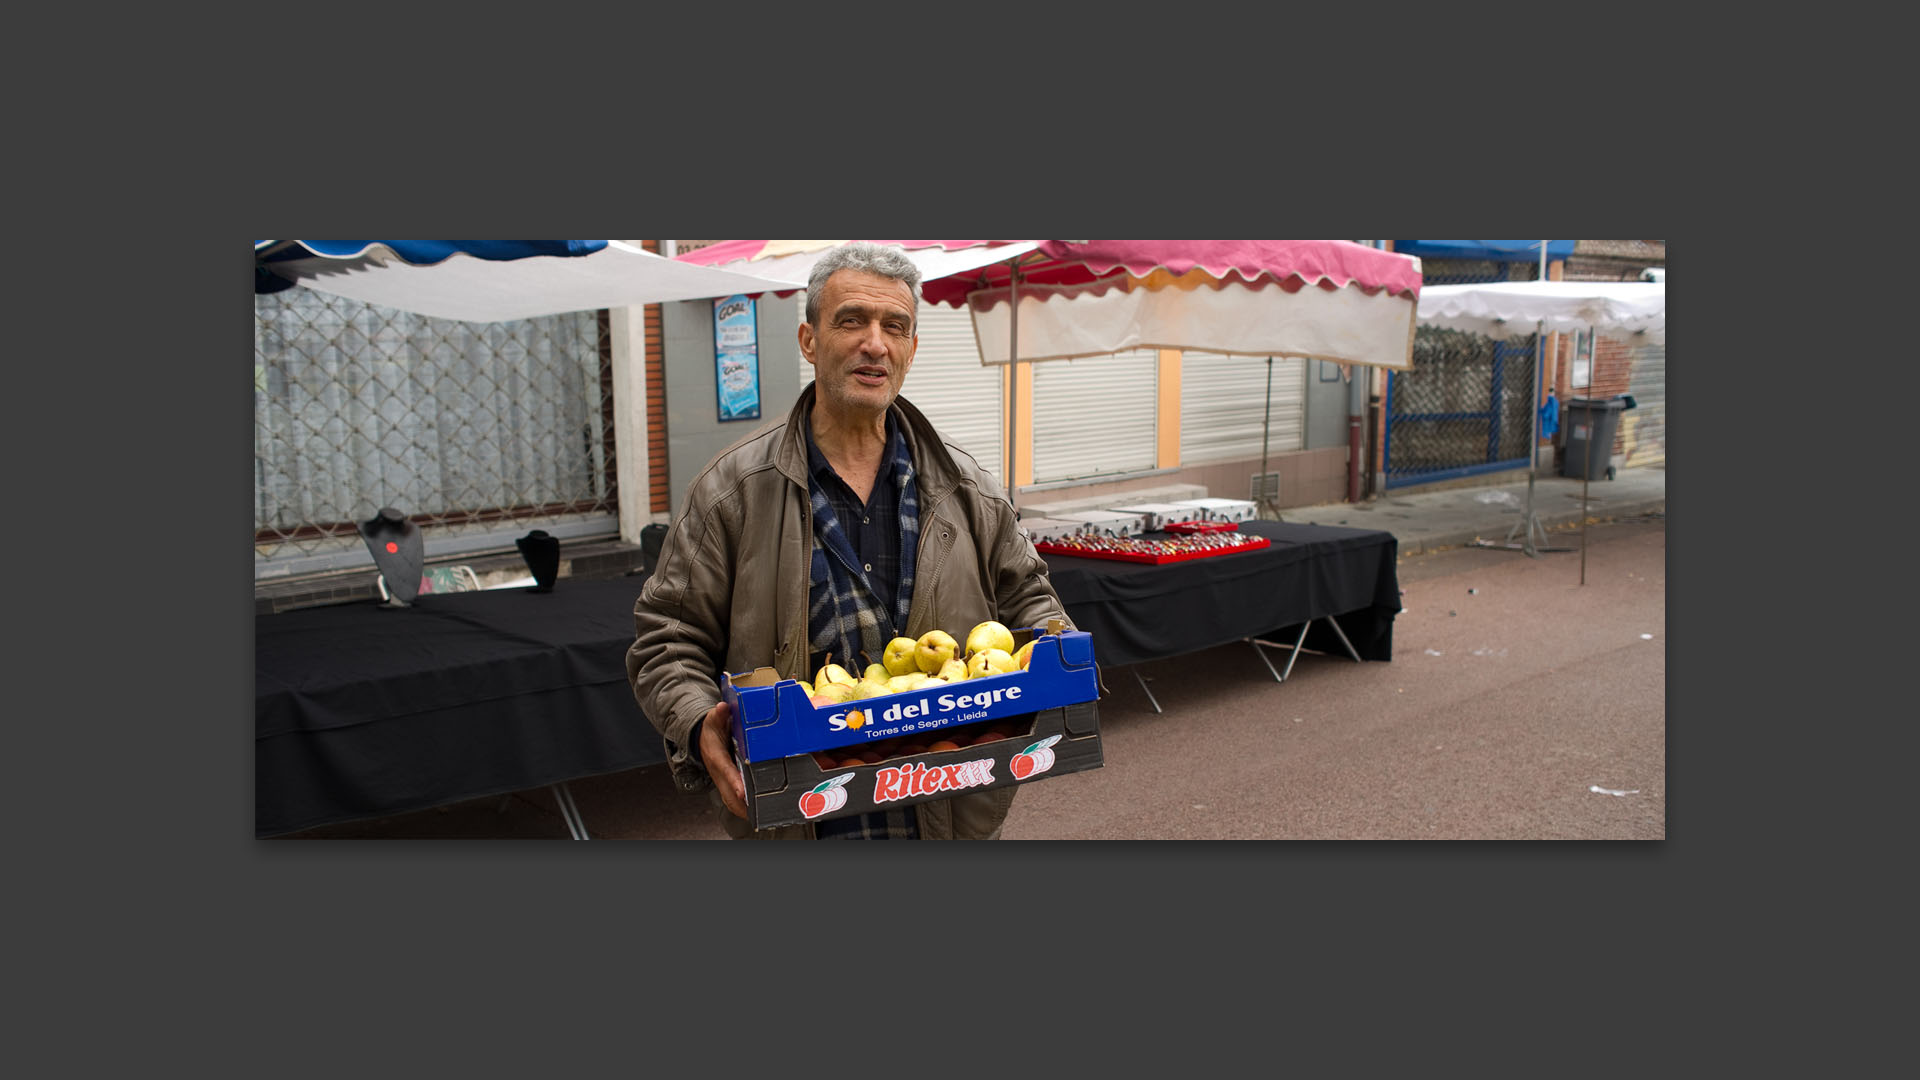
{"points": [[1346, 325], [483, 290], [792, 260], [1515, 309]]}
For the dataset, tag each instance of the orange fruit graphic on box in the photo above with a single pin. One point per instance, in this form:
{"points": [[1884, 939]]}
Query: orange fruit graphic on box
{"points": [[826, 797], [1034, 760]]}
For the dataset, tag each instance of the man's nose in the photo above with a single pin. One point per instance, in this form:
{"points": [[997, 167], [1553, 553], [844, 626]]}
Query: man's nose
{"points": [[874, 341]]}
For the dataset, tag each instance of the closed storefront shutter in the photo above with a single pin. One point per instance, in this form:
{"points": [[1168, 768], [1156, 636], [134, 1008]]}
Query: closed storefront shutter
{"points": [[958, 393], [1223, 407], [949, 384], [1095, 416], [1643, 428]]}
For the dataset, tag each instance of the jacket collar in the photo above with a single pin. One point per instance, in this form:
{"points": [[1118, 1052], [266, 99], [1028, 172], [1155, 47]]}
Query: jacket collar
{"points": [[935, 472]]}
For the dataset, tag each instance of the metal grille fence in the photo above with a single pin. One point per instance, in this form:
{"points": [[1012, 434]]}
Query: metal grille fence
{"points": [[478, 431], [1467, 406]]}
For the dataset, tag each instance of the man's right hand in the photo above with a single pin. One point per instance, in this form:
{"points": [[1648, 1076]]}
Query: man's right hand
{"points": [[716, 752]]}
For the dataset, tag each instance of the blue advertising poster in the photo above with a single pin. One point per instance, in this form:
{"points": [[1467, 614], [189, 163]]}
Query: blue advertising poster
{"points": [[736, 350]]}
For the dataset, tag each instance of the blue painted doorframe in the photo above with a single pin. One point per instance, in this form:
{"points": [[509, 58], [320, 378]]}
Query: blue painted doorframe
{"points": [[1402, 416]]}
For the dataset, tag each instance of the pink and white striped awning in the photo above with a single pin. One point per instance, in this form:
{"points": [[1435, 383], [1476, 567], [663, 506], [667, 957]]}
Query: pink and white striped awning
{"points": [[1328, 299]]}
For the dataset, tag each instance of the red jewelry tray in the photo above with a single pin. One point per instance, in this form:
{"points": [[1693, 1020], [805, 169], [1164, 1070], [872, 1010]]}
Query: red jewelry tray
{"points": [[1048, 547], [1201, 527]]}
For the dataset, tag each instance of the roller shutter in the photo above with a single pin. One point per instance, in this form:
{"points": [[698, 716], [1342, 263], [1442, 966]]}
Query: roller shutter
{"points": [[1223, 407], [1643, 428], [948, 383], [1095, 416]]}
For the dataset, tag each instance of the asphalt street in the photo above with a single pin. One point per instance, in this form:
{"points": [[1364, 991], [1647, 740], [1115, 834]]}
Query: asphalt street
{"points": [[1521, 703]]}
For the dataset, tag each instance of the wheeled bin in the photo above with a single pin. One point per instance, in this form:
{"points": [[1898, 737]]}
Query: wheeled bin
{"points": [[1590, 425]]}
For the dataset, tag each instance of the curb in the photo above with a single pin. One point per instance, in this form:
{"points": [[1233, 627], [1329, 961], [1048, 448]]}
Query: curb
{"points": [[1421, 545]]}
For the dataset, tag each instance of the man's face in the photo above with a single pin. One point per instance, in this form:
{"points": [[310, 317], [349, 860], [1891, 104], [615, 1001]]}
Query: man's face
{"points": [[865, 342]]}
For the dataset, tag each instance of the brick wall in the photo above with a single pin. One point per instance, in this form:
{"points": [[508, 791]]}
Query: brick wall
{"points": [[657, 494], [1612, 374]]}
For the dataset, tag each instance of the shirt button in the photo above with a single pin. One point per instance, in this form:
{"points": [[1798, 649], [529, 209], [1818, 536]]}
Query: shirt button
{"points": [[869, 568]]}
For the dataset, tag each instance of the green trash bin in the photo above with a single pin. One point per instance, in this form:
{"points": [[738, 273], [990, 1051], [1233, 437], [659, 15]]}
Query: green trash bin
{"points": [[1590, 425]]}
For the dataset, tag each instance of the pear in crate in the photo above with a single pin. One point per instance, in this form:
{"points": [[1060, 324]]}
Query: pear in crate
{"points": [[934, 649], [898, 657], [833, 694], [989, 635], [988, 662], [831, 672]]}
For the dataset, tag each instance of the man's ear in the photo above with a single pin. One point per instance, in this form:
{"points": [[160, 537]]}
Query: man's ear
{"points": [[806, 341]]}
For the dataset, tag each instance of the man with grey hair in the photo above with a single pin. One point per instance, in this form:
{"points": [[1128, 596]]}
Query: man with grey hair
{"points": [[847, 523]]}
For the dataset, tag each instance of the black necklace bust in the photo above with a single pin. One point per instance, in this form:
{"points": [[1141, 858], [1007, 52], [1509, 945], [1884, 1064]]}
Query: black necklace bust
{"points": [[542, 553], [399, 552]]}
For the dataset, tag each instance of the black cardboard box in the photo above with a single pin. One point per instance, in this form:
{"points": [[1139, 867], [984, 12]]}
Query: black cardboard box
{"points": [[803, 762], [1053, 742]]}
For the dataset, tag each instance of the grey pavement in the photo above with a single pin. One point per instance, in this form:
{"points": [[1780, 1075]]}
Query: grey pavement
{"points": [[1430, 521]]}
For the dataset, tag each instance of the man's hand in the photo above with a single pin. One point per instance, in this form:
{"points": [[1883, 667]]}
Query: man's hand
{"points": [[716, 752]]}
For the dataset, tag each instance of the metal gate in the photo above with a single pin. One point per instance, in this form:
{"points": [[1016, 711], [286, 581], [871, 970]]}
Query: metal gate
{"points": [[1467, 406], [477, 431]]}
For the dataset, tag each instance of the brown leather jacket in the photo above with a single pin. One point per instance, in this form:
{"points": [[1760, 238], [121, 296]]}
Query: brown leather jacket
{"points": [[729, 590]]}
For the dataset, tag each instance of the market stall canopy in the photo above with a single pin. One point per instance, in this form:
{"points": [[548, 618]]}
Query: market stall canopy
{"points": [[1516, 309], [1331, 299], [1485, 250], [1322, 299], [792, 260], [493, 281]]}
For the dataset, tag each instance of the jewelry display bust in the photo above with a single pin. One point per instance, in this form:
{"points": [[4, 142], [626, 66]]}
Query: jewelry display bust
{"points": [[399, 552], [542, 553]]}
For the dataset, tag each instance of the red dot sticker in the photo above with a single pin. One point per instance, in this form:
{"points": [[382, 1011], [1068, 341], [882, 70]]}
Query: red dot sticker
{"points": [[393, 548]]}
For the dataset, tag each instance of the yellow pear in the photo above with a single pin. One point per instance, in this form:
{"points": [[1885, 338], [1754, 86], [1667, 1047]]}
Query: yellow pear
{"points": [[831, 672], [897, 657], [989, 635], [877, 672], [868, 688], [1024, 656], [934, 649], [953, 670], [900, 684], [990, 662], [833, 693]]}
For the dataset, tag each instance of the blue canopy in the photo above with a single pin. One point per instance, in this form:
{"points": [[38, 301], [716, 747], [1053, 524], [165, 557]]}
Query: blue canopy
{"points": [[1491, 250], [413, 252]]}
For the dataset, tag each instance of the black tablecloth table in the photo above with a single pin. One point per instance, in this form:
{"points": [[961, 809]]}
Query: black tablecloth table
{"points": [[361, 711], [1308, 575]]}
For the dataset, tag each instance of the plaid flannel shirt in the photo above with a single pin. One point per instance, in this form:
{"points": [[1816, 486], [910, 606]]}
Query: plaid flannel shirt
{"points": [[862, 587]]}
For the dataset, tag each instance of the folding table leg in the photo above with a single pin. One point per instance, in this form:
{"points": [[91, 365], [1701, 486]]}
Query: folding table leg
{"points": [[1143, 687], [1261, 653], [575, 824], [1335, 623], [1293, 654]]}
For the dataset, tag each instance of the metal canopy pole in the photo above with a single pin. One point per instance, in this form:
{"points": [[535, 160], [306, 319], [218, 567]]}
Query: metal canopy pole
{"points": [[1013, 384], [1533, 440], [1586, 463], [1529, 523], [1266, 426]]}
